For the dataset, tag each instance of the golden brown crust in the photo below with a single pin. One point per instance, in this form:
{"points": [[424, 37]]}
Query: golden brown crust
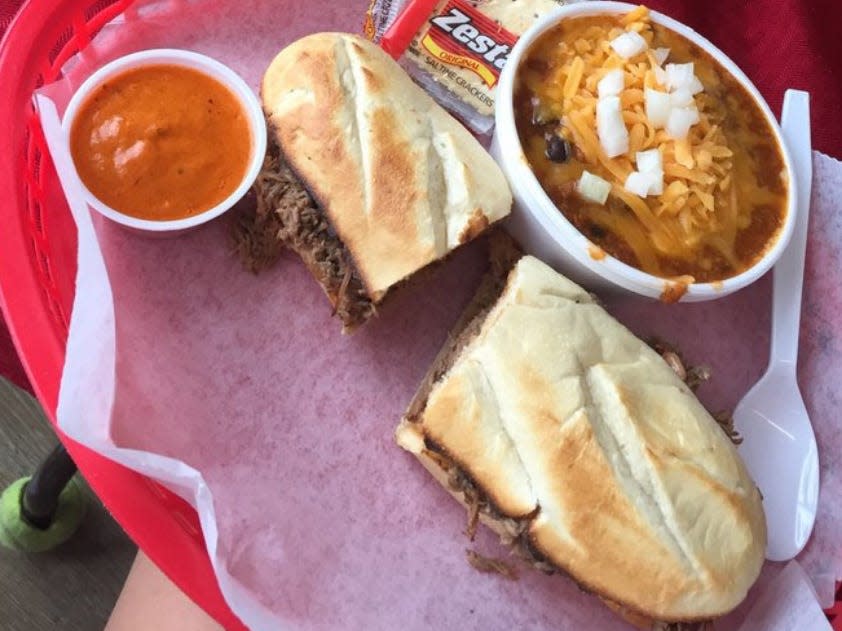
{"points": [[402, 182]]}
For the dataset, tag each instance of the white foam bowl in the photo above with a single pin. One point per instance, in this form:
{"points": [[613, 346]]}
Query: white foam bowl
{"points": [[187, 59], [542, 228]]}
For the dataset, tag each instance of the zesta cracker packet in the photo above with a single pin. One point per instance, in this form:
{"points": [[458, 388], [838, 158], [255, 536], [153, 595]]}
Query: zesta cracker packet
{"points": [[455, 49]]}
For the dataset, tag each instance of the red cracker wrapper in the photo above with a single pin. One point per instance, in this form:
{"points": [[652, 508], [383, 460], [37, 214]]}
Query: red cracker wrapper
{"points": [[240, 393]]}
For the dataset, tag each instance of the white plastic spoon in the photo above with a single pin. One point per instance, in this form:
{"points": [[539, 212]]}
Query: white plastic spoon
{"points": [[779, 447]]}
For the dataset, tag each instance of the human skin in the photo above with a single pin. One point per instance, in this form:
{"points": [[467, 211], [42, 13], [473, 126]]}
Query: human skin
{"points": [[149, 600]]}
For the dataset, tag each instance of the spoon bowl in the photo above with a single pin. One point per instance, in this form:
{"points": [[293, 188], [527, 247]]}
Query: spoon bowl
{"points": [[779, 449]]}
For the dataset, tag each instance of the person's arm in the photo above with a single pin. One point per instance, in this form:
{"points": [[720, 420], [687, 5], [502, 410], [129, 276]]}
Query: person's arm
{"points": [[149, 600]]}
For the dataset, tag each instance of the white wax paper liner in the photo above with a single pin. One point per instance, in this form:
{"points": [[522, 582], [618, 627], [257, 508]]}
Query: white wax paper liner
{"points": [[87, 387]]}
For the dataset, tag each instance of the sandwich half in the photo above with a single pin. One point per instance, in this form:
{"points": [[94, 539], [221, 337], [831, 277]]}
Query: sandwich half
{"points": [[367, 178], [579, 445]]}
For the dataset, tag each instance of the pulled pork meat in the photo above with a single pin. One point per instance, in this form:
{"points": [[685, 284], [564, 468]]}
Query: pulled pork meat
{"points": [[458, 481], [477, 502], [693, 376], [256, 229], [726, 422], [487, 565], [706, 625], [286, 215]]}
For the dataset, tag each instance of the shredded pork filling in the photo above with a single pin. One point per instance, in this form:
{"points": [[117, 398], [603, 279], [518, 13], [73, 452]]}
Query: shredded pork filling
{"points": [[286, 215], [488, 565]]}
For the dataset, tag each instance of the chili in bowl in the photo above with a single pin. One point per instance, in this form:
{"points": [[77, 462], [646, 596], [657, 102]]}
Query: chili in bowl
{"points": [[165, 140], [640, 157]]}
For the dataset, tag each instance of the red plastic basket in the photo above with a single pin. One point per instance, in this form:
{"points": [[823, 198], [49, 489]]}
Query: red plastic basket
{"points": [[37, 276]]}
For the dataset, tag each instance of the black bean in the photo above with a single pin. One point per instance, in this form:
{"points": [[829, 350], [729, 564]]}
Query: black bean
{"points": [[595, 231], [558, 149]]}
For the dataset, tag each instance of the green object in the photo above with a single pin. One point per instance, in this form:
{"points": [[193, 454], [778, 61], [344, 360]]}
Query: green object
{"points": [[17, 534]]}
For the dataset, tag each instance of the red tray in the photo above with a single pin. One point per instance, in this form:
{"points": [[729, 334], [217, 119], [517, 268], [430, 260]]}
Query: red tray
{"points": [[37, 276]]}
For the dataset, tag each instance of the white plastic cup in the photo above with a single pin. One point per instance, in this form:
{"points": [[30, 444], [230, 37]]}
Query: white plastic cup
{"points": [[542, 228], [186, 59]]}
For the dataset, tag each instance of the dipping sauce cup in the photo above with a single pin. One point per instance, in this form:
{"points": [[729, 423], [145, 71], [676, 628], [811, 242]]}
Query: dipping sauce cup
{"points": [[165, 140]]}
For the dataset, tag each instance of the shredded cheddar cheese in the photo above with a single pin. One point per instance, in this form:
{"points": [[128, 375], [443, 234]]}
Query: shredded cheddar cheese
{"points": [[693, 167]]}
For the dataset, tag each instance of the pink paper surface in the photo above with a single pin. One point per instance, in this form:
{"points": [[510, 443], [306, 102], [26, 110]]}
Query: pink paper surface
{"points": [[788, 603], [320, 516]]}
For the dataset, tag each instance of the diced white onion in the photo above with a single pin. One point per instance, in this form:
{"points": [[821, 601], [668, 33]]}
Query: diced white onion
{"points": [[657, 107], [679, 75], [681, 119], [656, 184], [615, 142], [644, 184], [661, 55], [612, 132], [649, 161], [611, 84], [628, 44], [682, 97], [696, 85], [593, 188], [661, 76], [638, 183]]}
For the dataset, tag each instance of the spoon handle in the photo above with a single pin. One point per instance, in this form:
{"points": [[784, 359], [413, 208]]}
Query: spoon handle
{"points": [[789, 270]]}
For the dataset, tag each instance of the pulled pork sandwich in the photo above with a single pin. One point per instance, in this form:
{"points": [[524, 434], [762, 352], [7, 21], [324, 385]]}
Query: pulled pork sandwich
{"points": [[581, 447], [367, 179]]}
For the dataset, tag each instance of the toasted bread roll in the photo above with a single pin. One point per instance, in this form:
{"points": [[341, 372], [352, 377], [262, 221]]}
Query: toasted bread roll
{"points": [[400, 182], [581, 445]]}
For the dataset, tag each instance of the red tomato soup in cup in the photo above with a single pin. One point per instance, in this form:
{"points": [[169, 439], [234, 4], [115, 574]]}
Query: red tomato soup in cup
{"points": [[164, 140], [161, 142]]}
